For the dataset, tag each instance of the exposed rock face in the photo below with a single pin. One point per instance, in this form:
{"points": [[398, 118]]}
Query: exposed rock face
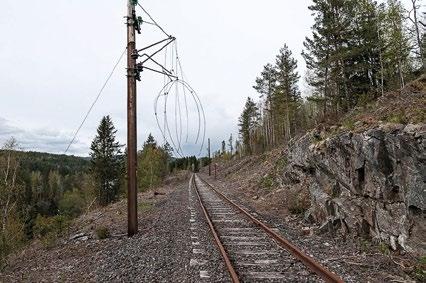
{"points": [[370, 184]]}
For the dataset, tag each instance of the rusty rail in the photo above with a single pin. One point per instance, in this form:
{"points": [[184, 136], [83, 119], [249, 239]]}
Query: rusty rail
{"points": [[229, 266], [308, 261]]}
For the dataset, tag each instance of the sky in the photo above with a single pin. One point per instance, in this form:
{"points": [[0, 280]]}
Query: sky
{"points": [[56, 55]]}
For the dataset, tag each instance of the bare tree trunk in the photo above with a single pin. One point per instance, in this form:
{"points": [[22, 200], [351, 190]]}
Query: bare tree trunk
{"points": [[418, 37]]}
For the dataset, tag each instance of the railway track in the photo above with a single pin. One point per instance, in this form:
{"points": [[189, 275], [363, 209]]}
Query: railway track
{"points": [[252, 251]]}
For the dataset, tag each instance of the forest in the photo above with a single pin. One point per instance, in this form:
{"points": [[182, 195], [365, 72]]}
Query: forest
{"points": [[37, 188], [357, 51], [40, 193]]}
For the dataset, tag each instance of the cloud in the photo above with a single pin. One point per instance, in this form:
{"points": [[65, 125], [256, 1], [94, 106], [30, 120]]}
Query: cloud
{"points": [[42, 139]]}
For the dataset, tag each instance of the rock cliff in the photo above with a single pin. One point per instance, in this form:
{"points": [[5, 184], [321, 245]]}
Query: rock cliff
{"points": [[369, 183]]}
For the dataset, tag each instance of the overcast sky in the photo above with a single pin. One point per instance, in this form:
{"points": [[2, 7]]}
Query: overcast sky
{"points": [[55, 56]]}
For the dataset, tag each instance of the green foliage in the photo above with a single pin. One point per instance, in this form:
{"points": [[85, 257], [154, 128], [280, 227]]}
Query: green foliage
{"points": [[280, 117], [38, 185], [398, 117], [102, 233], [267, 182], [48, 229], [154, 164], [186, 163], [247, 122], [357, 50], [12, 237], [349, 124], [384, 248], [72, 204], [107, 162], [281, 163]]}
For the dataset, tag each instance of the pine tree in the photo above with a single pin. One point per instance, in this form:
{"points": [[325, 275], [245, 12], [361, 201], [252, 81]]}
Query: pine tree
{"points": [[265, 85], [107, 162], [326, 52], [247, 123], [397, 52], [286, 98]]}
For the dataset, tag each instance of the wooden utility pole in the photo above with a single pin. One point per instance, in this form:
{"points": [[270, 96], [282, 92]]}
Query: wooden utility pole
{"points": [[210, 161], [132, 214]]}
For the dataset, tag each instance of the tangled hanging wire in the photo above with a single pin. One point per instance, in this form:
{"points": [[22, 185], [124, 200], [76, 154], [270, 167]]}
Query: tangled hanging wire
{"points": [[179, 100], [178, 110]]}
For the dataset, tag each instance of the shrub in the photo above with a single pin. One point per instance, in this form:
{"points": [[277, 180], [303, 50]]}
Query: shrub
{"points": [[102, 233], [281, 163], [267, 182], [349, 124], [72, 204], [384, 248], [48, 229], [11, 239]]}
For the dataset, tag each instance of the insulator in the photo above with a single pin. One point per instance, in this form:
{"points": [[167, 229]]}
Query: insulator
{"points": [[134, 54]]}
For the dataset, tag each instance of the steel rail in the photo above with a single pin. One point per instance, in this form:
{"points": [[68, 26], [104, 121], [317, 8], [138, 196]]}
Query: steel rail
{"points": [[229, 266], [308, 261]]}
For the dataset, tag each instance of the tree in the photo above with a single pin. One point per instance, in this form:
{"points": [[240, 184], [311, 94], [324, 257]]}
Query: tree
{"points": [[416, 32], [150, 142], [397, 52], [231, 144], [11, 230], [247, 123], [107, 162], [286, 97], [153, 163], [265, 85]]}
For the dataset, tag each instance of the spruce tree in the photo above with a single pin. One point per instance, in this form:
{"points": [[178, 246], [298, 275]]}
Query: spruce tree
{"points": [[107, 162]]}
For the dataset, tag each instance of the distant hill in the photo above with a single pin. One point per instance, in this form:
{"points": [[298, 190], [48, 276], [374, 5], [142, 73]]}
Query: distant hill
{"points": [[45, 162]]}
